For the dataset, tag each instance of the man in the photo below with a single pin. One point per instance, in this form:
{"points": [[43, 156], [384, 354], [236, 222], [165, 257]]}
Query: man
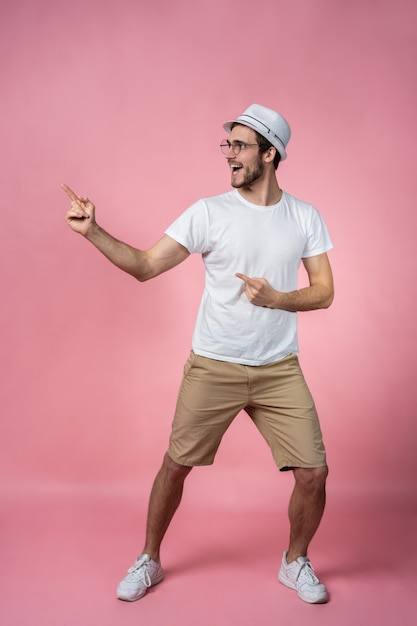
{"points": [[244, 348]]}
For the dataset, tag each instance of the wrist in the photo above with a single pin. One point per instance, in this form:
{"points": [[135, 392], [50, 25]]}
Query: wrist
{"points": [[277, 300], [93, 231]]}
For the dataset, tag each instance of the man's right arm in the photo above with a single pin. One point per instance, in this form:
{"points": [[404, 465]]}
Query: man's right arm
{"points": [[141, 264]]}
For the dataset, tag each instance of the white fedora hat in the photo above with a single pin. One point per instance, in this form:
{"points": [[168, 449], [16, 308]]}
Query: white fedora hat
{"points": [[267, 123]]}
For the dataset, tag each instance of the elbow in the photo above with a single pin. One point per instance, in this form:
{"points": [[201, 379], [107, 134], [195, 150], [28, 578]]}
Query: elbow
{"points": [[142, 278], [328, 300]]}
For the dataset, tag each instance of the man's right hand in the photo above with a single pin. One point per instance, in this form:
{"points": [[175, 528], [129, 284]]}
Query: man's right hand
{"points": [[81, 215]]}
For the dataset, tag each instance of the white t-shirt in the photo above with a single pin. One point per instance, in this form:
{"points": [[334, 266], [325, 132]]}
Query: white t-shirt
{"points": [[269, 242]]}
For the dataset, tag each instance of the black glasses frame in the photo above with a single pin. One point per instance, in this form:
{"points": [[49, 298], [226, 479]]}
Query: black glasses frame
{"points": [[236, 146]]}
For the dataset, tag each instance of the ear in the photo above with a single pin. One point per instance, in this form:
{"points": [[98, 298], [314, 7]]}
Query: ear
{"points": [[269, 155]]}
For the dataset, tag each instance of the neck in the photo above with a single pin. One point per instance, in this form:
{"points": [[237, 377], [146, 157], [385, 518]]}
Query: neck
{"points": [[262, 195]]}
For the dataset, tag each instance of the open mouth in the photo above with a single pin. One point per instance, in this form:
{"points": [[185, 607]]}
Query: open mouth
{"points": [[235, 168]]}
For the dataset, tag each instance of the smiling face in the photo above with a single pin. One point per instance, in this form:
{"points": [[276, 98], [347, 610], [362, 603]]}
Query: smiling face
{"points": [[248, 166]]}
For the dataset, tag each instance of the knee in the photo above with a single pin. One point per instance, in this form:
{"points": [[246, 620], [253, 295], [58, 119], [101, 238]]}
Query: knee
{"points": [[174, 471], [311, 479]]}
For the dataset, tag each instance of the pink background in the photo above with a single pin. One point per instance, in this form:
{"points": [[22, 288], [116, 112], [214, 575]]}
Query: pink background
{"points": [[125, 101]]}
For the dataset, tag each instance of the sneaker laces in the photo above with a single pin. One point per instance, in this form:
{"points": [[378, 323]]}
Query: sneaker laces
{"points": [[140, 571], [306, 574]]}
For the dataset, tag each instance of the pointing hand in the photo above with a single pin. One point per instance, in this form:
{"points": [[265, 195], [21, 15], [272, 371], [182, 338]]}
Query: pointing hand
{"points": [[81, 215], [259, 291]]}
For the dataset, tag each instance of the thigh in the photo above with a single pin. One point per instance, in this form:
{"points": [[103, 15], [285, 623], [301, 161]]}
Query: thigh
{"points": [[283, 410], [211, 395]]}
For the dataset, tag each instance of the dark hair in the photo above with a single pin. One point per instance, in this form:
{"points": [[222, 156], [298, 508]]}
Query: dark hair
{"points": [[264, 145]]}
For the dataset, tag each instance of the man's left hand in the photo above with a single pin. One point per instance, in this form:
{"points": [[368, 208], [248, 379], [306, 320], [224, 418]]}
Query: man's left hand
{"points": [[259, 291]]}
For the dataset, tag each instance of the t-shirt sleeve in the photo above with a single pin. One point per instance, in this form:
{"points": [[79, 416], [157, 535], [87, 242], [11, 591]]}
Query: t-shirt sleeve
{"points": [[190, 229], [318, 237]]}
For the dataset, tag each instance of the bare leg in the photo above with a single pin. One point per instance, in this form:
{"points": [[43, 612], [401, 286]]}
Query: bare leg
{"points": [[164, 500], [306, 509]]}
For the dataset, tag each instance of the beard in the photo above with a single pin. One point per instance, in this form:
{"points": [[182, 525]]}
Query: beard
{"points": [[251, 175]]}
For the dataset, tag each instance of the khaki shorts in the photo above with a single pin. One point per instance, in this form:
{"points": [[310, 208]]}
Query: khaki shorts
{"points": [[275, 396]]}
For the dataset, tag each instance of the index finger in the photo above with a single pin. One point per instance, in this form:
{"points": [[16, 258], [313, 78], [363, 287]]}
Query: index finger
{"points": [[243, 277], [70, 193]]}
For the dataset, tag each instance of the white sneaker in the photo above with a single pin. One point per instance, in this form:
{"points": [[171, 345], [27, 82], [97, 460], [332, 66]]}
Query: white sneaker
{"points": [[143, 574], [299, 575]]}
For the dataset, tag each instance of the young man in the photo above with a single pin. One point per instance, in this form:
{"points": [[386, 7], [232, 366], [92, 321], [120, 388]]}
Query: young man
{"points": [[244, 348]]}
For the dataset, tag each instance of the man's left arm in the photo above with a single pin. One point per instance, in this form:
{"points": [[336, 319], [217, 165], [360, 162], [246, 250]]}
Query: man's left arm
{"points": [[318, 295]]}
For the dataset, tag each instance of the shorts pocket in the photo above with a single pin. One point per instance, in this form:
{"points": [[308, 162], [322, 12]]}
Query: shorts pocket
{"points": [[189, 363]]}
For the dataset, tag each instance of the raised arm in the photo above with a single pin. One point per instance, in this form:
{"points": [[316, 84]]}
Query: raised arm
{"points": [[318, 295], [141, 264]]}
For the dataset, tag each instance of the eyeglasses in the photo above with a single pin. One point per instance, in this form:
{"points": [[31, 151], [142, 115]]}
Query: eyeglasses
{"points": [[236, 146]]}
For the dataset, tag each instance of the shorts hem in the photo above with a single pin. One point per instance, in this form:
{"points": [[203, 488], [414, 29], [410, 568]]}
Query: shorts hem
{"points": [[186, 463], [287, 467]]}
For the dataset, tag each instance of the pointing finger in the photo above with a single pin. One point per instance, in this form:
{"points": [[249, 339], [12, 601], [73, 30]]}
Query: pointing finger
{"points": [[243, 277], [71, 194]]}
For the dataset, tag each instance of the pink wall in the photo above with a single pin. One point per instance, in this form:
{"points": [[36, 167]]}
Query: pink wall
{"points": [[124, 102]]}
